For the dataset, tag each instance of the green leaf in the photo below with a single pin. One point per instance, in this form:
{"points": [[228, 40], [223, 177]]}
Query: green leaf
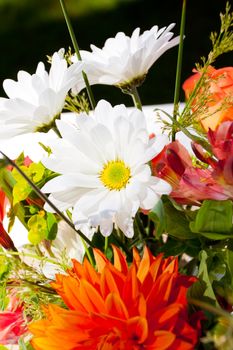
{"points": [[6, 182], [19, 211], [20, 159], [37, 228], [51, 226], [157, 215], [36, 171], [21, 191], [229, 262], [23, 345], [4, 267], [176, 223], [214, 220], [204, 277]]}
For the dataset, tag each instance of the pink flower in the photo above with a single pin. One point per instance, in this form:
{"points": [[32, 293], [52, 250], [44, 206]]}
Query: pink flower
{"points": [[221, 140], [12, 323], [171, 162], [190, 184], [197, 185]]}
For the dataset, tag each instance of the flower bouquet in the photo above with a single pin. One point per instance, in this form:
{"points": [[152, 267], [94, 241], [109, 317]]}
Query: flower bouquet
{"points": [[129, 231]]}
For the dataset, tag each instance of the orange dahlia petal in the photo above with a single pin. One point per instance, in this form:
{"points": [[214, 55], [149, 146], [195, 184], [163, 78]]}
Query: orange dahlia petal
{"points": [[90, 298], [160, 292], [144, 265], [119, 308], [163, 340], [179, 344], [108, 283], [110, 273], [166, 318], [116, 307], [66, 287], [137, 328], [100, 260], [131, 285], [136, 257], [120, 262]]}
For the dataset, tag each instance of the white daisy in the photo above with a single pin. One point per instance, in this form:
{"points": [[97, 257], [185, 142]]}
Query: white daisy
{"points": [[124, 61], [103, 160], [36, 100]]}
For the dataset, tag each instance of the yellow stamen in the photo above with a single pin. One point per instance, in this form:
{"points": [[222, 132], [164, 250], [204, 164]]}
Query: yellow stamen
{"points": [[115, 175]]}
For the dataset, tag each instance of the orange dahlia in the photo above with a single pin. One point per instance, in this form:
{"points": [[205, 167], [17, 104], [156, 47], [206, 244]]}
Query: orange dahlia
{"points": [[116, 307]]}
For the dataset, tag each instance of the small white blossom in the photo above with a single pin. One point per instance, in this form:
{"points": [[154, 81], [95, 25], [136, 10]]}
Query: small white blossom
{"points": [[124, 61], [35, 101], [103, 160]]}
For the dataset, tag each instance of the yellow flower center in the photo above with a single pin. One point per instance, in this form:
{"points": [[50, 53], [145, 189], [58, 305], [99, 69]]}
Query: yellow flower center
{"points": [[115, 175]]}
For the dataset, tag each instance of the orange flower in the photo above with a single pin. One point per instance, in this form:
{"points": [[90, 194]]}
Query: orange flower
{"points": [[221, 88], [141, 307]]}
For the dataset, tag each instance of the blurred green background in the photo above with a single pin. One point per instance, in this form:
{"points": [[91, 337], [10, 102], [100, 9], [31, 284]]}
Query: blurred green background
{"points": [[32, 29]]}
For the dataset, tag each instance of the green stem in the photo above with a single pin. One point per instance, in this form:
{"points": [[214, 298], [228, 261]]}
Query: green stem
{"points": [[76, 48], [140, 227], [136, 98], [194, 92], [105, 245], [211, 308], [178, 69], [45, 198], [88, 253]]}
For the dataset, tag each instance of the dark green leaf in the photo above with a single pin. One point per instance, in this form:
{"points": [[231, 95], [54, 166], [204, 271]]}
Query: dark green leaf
{"points": [[157, 215], [177, 224], [203, 275], [214, 220], [51, 226]]}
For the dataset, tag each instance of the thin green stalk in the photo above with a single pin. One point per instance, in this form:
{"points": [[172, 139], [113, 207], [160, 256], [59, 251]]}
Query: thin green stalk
{"points": [[105, 245], [45, 198], [76, 48], [194, 138], [37, 284], [88, 253], [194, 92], [119, 237], [41, 258], [140, 227], [212, 309], [178, 69], [136, 98]]}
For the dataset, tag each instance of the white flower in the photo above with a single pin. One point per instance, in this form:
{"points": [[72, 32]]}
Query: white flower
{"points": [[67, 246], [35, 101], [103, 165], [124, 61], [69, 243]]}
